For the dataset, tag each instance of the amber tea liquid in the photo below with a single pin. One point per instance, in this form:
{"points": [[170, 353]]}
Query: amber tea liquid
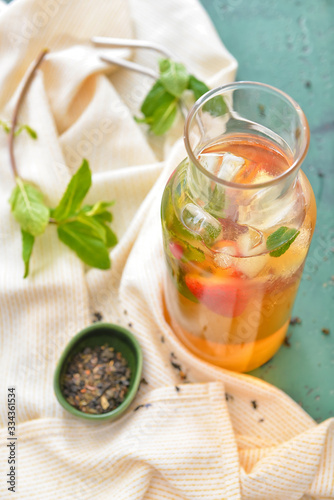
{"points": [[228, 298]]}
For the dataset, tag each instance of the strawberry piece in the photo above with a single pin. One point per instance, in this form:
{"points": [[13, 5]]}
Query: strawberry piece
{"points": [[225, 296], [176, 250]]}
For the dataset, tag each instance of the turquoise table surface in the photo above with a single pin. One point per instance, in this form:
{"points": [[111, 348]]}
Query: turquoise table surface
{"points": [[290, 45]]}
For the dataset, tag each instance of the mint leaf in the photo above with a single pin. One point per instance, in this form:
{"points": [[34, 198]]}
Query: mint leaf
{"points": [[94, 227], [164, 117], [199, 88], [82, 239], [159, 108], [28, 208], [193, 254], [5, 126], [216, 106], [27, 246], [156, 96], [173, 76], [28, 129], [281, 240], [75, 192], [104, 216], [111, 237], [100, 215], [184, 290], [143, 120], [189, 252], [99, 207], [197, 223], [84, 229], [217, 202]]}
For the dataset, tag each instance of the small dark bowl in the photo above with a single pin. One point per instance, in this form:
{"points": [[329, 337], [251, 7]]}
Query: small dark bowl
{"points": [[99, 334]]}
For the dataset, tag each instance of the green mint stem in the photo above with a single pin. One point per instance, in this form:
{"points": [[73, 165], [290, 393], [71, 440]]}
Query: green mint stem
{"points": [[23, 92]]}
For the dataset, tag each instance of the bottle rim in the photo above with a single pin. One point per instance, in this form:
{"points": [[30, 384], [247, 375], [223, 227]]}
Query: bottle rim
{"points": [[233, 86]]}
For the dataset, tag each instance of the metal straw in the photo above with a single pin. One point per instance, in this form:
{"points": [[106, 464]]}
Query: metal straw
{"points": [[129, 43], [132, 66]]}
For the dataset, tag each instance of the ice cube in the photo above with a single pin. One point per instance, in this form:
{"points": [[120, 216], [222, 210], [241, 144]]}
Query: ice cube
{"points": [[230, 166], [273, 206], [247, 254], [202, 223], [224, 256], [251, 266], [224, 165], [211, 162], [250, 242]]}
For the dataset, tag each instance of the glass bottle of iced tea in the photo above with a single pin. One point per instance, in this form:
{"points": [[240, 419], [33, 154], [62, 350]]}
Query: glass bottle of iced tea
{"points": [[238, 217]]}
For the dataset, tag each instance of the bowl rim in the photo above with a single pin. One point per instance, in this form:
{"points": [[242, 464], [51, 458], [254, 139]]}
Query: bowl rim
{"points": [[86, 332]]}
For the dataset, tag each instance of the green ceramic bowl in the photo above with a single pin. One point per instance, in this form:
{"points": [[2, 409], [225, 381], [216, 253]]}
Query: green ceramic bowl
{"points": [[99, 334]]}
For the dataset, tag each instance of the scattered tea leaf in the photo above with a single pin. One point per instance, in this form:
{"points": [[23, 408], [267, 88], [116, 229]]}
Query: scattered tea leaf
{"points": [[147, 405], [97, 317], [295, 320]]}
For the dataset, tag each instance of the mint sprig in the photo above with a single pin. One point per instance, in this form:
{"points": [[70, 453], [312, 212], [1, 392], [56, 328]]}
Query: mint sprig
{"points": [[281, 240], [83, 228], [160, 105]]}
